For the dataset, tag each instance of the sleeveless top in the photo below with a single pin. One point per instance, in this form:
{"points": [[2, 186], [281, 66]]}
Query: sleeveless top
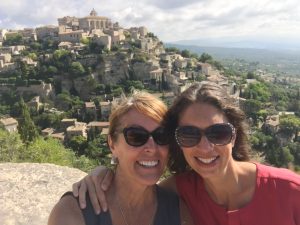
{"points": [[167, 212]]}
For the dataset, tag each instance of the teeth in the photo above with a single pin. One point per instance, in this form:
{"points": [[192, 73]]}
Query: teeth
{"points": [[148, 163], [206, 160]]}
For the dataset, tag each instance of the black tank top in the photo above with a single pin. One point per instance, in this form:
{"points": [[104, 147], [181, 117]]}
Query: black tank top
{"points": [[167, 212]]}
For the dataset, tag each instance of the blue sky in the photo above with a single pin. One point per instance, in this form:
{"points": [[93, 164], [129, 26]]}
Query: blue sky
{"points": [[171, 20]]}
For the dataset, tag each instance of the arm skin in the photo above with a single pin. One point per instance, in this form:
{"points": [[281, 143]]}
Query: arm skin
{"points": [[66, 212], [96, 183]]}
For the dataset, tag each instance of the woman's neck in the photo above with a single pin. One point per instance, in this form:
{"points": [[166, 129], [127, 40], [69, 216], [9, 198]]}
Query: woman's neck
{"points": [[235, 188], [130, 192], [130, 202]]}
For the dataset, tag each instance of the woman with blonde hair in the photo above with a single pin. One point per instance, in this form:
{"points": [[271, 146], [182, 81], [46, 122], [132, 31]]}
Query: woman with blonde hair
{"points": [[139, 144]]}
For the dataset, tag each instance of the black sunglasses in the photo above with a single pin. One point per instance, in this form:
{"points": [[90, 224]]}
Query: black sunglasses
{"points": [[138, 136], [217, 134]]}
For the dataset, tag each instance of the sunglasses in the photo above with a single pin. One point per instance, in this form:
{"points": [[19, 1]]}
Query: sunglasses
{"points": [[217, 134], [138, 136]]}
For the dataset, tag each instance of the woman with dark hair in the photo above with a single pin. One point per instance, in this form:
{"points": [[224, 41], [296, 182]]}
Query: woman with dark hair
{"points": [[214, 177]]}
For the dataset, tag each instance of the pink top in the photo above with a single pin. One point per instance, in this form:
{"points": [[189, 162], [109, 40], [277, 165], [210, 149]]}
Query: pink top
{"points": [[276, 200]]}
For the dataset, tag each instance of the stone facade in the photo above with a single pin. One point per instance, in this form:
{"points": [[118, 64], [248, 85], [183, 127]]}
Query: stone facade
{"points": [[93, 21], [72, 36], [46, 31], [10, 124], [43, 89]]}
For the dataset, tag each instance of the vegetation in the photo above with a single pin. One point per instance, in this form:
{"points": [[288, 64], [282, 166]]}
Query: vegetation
{"points": [[262, 99]]}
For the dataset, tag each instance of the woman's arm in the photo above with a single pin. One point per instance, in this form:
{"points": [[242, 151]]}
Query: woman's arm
{"points": [[66, 212], [98, 181], [95, 183]]}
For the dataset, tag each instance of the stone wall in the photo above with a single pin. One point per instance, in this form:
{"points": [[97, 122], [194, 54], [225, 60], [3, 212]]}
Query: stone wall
{"points": [[28, 191]]}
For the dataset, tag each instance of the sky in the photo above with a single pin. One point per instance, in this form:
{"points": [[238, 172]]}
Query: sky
{"points": [[268, 21]]}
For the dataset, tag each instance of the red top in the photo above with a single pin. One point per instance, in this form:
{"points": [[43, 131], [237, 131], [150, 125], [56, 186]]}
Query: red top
{"points": [[276, 200]]}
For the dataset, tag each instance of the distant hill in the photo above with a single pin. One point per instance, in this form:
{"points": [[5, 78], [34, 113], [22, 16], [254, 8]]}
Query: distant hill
{"points": [[284, 60]]}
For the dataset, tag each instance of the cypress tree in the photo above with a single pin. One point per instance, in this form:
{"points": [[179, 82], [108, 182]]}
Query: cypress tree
{"points": [[26, 127]]}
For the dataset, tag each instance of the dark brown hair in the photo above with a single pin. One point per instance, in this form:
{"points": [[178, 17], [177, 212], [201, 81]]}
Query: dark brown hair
{"points": [[217, 96]]}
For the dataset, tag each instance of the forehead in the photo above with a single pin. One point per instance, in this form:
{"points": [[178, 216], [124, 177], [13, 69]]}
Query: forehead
{"points": [[134, 117], [202, 115]]}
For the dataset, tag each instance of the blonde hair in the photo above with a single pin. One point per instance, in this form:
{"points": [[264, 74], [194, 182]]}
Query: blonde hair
{"points": [[145, 103]]}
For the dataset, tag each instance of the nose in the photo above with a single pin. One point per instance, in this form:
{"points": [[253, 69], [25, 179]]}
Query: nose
{"points": [[205, 145], [150, 145]]}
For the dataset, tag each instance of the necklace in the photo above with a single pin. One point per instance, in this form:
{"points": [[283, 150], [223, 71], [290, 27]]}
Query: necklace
{"points": [[124, 218]]}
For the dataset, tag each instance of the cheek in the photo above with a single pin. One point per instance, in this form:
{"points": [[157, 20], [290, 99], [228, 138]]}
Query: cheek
{"points": [[164, 153]]}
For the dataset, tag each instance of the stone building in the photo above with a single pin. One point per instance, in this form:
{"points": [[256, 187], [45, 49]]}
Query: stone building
{"points": [[46, 31], [68, 21], [105, 108], [10, 124], [93, 21], [79, 129], [72, 36]]}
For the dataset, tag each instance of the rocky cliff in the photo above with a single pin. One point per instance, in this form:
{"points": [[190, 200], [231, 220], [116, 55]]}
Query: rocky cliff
{"points": [[28, 191]]}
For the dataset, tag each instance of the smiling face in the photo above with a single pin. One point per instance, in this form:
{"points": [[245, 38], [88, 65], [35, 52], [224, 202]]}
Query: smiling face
{"points": [[144, 164], [207, 159]]}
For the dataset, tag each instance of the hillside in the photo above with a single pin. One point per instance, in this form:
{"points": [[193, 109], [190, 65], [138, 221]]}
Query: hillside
{"points": [[283, 61]]}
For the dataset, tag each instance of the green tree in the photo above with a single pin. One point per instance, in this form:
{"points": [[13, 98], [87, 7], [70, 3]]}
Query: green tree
{"points": [[48, 151], [290, 124], [25, 70], [97, 149], [250, 75], [11, 146], [186, 53], [77, 69], [252, 109], [13, 39], [286, 157], [85, 41], [173, 49], [62, 59], [26, 127], [205, 57], [45, 120], [78, 144], [258, 91], [52, 70]]}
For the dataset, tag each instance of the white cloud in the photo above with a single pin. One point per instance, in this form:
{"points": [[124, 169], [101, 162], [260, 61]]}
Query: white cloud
{"points": [[170, 19]]}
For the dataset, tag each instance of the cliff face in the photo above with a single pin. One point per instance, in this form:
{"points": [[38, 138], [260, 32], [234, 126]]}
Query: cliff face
{"points": [[28, 191]]}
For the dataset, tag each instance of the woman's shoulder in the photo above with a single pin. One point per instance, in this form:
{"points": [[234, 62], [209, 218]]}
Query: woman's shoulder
{"points": [[66, 211], [277, 174]]}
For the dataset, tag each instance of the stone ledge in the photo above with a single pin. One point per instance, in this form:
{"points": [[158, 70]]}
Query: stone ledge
{"points": [[28, 191]]}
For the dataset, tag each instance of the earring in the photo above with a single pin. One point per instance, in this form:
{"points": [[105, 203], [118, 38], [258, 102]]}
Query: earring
{"points": [[114, 160]]}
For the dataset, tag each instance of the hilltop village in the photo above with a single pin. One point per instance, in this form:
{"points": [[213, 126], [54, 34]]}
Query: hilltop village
{"points": [[69, 77]]}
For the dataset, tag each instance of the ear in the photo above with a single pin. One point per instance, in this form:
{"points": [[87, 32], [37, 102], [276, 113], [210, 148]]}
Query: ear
{"points": [[111, 145], [110, 142], [233, 140]]}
